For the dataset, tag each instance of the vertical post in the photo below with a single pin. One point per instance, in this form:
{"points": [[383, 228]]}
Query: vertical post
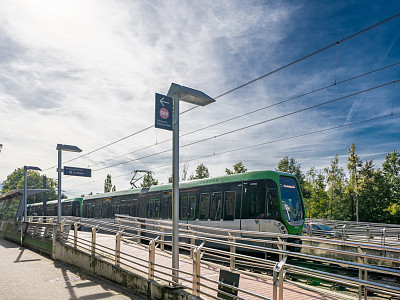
{"points": [[118, 249], [59, 185], [94, 231], [192, 242], [44, 196], [76, 235], [175, 191], [196, 270], [162, 238], [25, 193], [232, 260], [139, 232], [152, 257]]}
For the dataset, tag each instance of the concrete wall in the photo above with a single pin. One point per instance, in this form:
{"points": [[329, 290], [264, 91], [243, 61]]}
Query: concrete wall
{"points": [[137, 284]]}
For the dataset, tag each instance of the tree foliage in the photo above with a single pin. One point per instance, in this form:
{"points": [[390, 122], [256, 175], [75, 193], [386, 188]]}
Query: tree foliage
{"points": [[16, 180], [330, 194], [108, 187], [149, 180], [201, 172], [237, 169]]}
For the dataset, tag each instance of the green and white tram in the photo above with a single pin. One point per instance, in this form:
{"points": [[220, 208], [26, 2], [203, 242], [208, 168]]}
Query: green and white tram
{"points": [[266, 201]]}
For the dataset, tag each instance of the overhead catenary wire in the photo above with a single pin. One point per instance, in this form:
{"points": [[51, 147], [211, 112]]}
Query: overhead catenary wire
{"points": [[251, 81], [268, 142], [255, 124], [253, 111]]}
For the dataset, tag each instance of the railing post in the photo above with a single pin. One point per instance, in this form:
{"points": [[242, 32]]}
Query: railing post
{"points": [[162, 241], [152, 257], [139, 232], [383, 238], [277, 279], [368, 234], [362, 291], [196, 270], [344, 232], [75, 234], [93, 250], [282, 248], [192, 242], [232, 258], [118, 248], [119, 225]]}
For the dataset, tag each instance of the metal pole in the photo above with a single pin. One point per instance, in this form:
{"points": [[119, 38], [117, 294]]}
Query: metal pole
{"points": [[175, 191], [25, 193], [44, 195], [59, 186]]}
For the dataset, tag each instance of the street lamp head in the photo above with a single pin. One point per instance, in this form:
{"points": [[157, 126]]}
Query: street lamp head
{"points": [[32, 168], [189, 95], [69, 148]]}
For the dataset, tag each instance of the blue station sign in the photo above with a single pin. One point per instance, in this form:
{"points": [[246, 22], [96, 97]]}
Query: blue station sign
{"points": [[73, 171], [163, 113]]}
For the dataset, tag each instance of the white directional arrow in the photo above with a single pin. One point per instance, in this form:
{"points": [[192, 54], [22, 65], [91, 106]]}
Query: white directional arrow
{"points": [[162, 102]]}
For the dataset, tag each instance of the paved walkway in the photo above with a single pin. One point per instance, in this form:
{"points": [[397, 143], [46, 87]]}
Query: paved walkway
{"points": [[25, 274]]}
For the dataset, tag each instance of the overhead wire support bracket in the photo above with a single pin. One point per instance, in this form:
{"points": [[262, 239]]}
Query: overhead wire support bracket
{"points": [[134, 180]]}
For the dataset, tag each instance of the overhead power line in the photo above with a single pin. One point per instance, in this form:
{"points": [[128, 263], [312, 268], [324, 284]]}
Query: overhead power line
{"points": [[251, 81], [251, 112], [267, 143], [255, 124]]}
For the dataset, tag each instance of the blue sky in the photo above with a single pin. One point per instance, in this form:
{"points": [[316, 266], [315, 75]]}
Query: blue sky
{"points": [[85, 73]]}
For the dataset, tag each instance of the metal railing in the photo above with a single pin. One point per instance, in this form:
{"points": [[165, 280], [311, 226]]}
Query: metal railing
{"points": [[374, 233], [242, 252], [236, 253]]}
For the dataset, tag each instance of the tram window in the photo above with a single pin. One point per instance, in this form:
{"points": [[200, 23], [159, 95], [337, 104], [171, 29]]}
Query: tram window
{"points": [[122, 207], [153, 208], [272, 204], [134, 207], [254, 200], [106, 211], [188, 205], [98, 210], [229, 211], [204, 212], [166, 209], [216, 206]]}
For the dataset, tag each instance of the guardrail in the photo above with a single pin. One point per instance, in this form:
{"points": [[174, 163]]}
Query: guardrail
{"points": [[236, 253], [374, 233]]}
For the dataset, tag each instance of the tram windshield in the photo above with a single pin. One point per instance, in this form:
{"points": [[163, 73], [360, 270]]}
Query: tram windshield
{"points": [[292, 207]]}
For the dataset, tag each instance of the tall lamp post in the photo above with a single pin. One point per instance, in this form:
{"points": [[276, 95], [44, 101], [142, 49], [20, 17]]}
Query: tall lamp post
{"points": [[180, 93], [26, 168], [61, 147]]}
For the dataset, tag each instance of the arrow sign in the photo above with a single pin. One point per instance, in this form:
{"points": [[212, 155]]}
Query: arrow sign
{"points": [[163, 102], [163, 112]]}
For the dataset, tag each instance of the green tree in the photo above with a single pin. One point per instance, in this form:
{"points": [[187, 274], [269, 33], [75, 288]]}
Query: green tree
{"points": [[289, 165], [237, 169], [108, 184], [149, 180], [335, 180], [201, 172], [354, 165], [317, 203], [34, 181], [391, 174]]}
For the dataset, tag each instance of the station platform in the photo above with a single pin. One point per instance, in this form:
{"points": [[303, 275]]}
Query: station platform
{"points": [[25, 274]]}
